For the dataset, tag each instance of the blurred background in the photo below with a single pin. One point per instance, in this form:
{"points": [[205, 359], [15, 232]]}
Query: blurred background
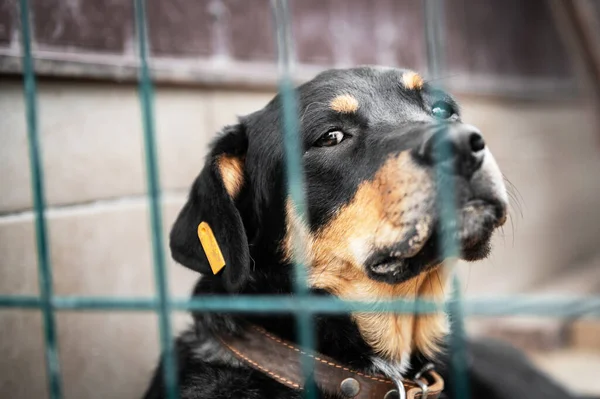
{"points": [[520, 69]]}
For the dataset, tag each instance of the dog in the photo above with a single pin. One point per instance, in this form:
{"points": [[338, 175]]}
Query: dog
{"points": [[371, 141]]}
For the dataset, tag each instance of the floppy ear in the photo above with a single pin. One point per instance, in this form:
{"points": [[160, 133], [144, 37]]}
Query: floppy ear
{"points": [[211, 211]]}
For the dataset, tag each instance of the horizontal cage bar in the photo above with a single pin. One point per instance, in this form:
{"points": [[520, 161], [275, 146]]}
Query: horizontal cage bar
{"points": [[534, 305]]}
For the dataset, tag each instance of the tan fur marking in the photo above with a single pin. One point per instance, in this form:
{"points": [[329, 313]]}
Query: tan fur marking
{"points": [[393, 335], [429, 329], [232, 172], [393, 207], [345, 104], [412, 80]]}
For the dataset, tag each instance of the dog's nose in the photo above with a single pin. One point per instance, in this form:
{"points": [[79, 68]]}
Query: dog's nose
{"points": [[456, 148]]}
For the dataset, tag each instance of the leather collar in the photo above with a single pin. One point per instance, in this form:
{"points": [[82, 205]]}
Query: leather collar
{"points": [[282, 361]]}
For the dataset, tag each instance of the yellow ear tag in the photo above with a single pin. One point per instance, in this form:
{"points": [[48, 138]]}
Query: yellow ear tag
{"points": [[211, 247]]}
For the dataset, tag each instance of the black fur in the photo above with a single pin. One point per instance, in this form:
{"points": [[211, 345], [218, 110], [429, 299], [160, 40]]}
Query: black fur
{"points": [[251, 227]]}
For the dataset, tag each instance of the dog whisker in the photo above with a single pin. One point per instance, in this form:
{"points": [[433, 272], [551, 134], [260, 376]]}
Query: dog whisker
{"points": [[515, 195], [466, 286], [512, 225]]}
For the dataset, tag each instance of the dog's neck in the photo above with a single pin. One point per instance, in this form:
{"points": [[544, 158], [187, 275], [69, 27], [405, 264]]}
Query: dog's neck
{"points": [[383, 343], [393, 337]]}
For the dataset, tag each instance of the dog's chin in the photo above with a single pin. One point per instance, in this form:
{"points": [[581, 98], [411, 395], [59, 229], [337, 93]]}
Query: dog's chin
{"points": [[476, 223]]}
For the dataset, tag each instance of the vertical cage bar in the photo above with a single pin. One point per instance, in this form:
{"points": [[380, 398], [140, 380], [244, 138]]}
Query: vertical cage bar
{"points": [[146, 93], [295, 175], [446, 200], [39, 204], [458, 344]]}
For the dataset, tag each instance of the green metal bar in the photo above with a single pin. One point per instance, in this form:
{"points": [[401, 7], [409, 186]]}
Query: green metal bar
{"points": [[446, 200], [535, 305], [146, 93], [458, 345], [291, 139], [20, 302], [295, 178], [106, 303], [446, 197], [39, 204]]}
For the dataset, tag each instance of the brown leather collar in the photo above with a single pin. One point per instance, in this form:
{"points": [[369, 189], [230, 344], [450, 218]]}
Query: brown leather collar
{"points": [[282, 361]]}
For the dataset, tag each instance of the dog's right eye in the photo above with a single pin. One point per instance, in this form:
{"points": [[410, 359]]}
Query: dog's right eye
{"points": [[330, 139]]}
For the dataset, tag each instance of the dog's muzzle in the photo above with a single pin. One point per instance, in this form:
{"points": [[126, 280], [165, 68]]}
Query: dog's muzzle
{"points": [[450, 164]]}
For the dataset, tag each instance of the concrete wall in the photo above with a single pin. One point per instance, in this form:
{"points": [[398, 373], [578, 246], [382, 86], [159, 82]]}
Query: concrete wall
{"points": [[99, 227]]}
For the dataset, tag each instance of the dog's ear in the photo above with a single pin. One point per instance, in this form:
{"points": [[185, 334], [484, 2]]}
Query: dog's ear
{"points": [[209, 231]]}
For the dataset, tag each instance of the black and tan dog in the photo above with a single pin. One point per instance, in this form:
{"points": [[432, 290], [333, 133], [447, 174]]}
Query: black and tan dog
{"points": [[369, 137]]}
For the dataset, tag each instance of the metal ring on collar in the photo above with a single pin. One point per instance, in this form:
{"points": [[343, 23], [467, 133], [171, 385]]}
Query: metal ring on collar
{"points": [[400, 391], [426, 369], [417, 380]]}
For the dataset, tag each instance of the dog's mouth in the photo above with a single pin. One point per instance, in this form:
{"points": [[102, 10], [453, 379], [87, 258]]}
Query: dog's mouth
{"points": [[421, 249]]}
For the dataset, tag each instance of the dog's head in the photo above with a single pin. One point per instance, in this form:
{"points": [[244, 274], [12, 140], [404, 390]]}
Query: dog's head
{"points": [[370, 139]]}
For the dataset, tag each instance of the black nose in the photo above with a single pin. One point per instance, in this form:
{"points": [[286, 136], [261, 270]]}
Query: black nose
{"points": [[456, 148]]}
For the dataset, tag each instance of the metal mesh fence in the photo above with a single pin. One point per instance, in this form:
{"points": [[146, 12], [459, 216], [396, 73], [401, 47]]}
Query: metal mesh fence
{"points": [[302, 304]]}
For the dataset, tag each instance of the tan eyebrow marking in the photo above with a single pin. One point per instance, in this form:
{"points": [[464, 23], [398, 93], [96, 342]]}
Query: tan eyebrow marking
{"points": [[344, 103], [412, 80]]}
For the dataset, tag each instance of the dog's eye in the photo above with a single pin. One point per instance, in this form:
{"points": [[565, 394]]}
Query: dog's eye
{"points": [[330, 139], [442, 110]]}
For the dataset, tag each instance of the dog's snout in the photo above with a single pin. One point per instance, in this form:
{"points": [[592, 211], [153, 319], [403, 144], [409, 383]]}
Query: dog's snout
{"points": [[456, 148]]}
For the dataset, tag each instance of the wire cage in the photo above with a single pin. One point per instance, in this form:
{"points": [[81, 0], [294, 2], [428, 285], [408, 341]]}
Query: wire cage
{"points": [[302, 304]]}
